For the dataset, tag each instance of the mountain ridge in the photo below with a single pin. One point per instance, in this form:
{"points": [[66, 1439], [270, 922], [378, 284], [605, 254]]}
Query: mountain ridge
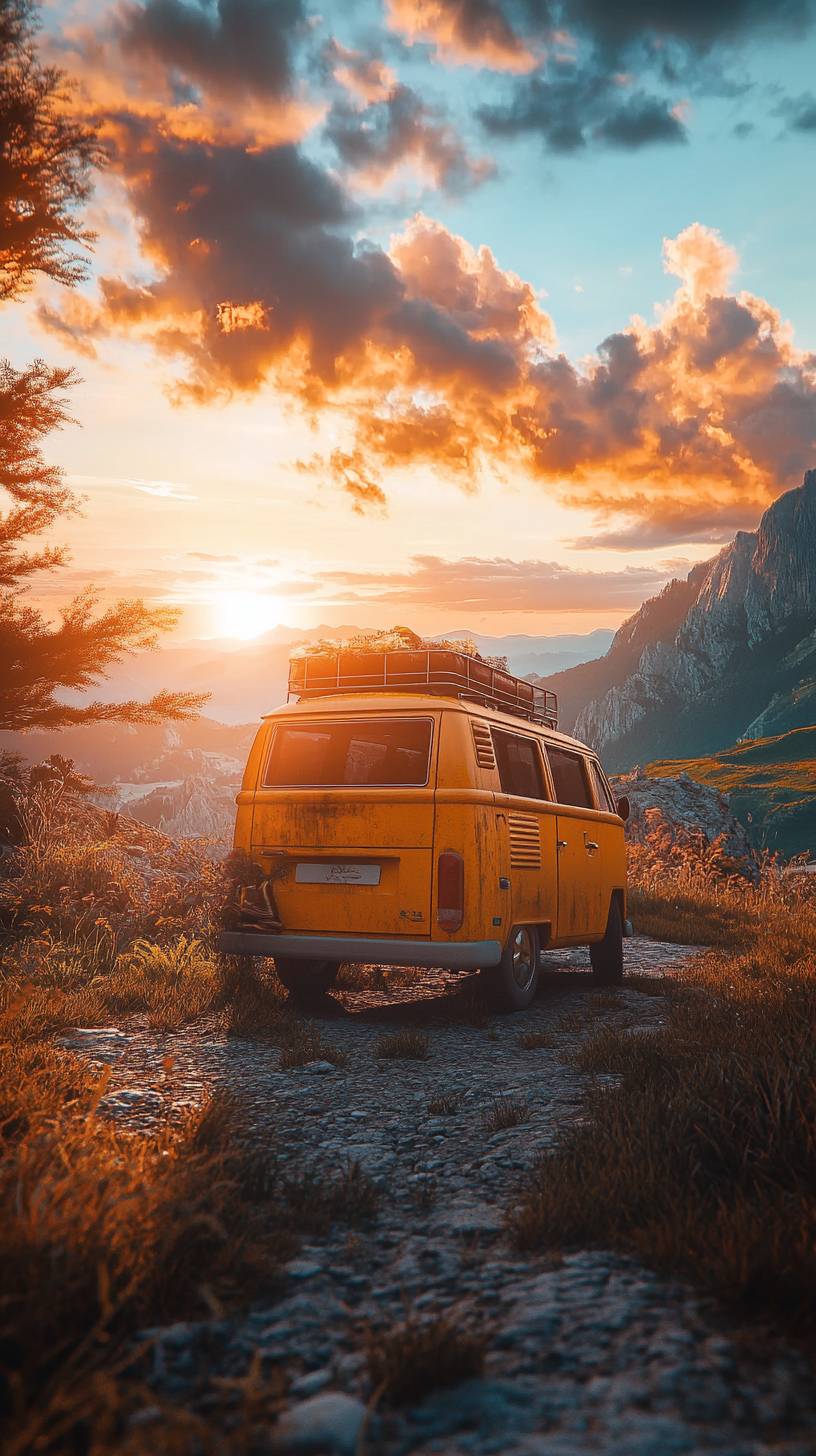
{"points": [[727, 653]]}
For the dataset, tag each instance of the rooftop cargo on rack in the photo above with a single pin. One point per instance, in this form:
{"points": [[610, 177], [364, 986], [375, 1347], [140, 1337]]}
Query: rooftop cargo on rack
{"points": [[433, 670]]}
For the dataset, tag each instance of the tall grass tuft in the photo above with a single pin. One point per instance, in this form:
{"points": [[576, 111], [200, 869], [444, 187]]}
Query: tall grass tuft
{"points": [[703, 1159]]}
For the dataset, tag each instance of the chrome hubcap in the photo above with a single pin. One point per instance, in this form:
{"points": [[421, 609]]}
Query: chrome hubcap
{"points": [[524, 967]]}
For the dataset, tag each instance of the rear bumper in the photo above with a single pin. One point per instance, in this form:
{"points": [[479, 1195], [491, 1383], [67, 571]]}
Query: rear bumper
{"points": [[460, 955]]}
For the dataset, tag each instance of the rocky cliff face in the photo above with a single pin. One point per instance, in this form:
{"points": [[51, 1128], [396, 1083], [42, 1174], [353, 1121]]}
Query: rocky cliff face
{"points": [[195, 808], [684, 810], [720, 656]]}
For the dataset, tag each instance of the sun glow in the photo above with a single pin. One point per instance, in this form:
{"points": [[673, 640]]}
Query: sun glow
{"points": [[245, 614]]}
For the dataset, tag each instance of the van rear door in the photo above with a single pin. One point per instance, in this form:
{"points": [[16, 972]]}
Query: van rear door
{"points": [[344, 820]]}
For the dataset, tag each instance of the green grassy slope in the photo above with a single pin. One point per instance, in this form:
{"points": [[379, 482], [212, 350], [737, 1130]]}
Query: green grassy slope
{"points": [[771, 783]]}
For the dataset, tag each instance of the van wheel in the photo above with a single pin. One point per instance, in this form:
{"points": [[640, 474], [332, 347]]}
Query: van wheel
{"points": [[514, 981], [607, 954], [306, 980]]}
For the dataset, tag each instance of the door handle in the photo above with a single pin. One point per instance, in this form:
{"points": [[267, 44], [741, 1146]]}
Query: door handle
{"points": [[590, 845], [560, 843]]}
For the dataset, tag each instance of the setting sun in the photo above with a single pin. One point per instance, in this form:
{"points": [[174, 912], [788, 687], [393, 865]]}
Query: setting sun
{"points": [[245, 614]]}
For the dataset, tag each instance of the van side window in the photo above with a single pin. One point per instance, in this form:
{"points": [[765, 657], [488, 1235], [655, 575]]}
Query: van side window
{"points": [[569, 777], [602, 793], [519, 765]]}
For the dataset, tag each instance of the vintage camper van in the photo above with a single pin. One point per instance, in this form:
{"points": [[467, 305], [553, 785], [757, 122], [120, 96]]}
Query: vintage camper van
{"points": [[420, 808]]}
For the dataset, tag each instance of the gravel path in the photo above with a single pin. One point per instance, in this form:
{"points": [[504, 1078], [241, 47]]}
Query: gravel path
{"points": [[587, 1353]]}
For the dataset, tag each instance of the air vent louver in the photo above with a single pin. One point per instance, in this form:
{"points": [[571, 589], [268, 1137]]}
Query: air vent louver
{"points": [[525, 842], [483, 744]]}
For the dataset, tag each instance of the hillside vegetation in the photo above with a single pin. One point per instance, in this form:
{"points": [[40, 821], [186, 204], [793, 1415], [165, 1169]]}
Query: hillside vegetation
{"points": [[771, 783]]}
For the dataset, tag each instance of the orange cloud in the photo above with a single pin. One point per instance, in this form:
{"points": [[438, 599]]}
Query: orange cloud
{"points": [[367, 77], [236, 60], [701, 260], [433, 352], [462, 37]]}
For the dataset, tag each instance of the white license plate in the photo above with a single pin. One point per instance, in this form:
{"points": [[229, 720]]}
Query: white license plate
{"points": [[337, 874]]}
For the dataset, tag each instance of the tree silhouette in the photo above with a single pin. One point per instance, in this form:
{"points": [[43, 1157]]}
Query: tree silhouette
{"points": [[46, 158], [45, 171]]}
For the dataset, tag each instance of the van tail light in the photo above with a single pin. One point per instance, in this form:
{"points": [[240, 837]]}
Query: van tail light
{"points": [[450, 890]]}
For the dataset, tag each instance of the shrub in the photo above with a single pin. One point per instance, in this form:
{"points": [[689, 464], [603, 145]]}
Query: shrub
{"points": [[314, 1201], [303, 1044], [408, 1362], [405, 1045], [506, 1112]]}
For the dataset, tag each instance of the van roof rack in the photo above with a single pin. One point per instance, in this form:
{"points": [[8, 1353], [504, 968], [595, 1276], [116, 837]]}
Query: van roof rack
{"points": [[432, 670]]}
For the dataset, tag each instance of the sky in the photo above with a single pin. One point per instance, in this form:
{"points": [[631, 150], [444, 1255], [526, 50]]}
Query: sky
{"points": [[494, 314]]}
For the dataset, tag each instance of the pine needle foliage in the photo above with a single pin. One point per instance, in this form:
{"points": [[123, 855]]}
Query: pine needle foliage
{"points": [[47, 159]]}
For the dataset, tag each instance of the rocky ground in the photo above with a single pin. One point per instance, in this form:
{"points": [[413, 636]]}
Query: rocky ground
{"points": [[586, 1351]]}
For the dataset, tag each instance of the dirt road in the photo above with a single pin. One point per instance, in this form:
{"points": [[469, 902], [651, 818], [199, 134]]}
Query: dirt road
{"points": [[587, 1352]]}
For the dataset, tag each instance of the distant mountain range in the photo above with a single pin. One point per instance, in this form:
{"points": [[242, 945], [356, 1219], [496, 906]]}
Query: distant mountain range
{"points": [[182, 777], [729, 653], [247, 679]]}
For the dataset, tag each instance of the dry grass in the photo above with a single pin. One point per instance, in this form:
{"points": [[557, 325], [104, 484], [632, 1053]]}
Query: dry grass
{"points": [[505, 1112], [533, 1041], [316, 1202], [703, 1160], [105, 1232], [374, 978], [403, 1046], [305, 1044], [685, 891], [444, 1104], [572, 1023], [406, 1363]]}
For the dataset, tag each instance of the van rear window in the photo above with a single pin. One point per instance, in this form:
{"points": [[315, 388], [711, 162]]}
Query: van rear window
{"points": [[569, 777], [381, 752]]}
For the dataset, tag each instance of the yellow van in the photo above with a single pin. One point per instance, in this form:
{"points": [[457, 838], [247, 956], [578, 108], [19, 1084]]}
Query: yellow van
{"points": [[420, 808]]}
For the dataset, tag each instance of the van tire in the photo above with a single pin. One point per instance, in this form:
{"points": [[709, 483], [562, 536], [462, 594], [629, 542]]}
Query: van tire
{"points": [[607, 955], [306, 980], [508, 987]]}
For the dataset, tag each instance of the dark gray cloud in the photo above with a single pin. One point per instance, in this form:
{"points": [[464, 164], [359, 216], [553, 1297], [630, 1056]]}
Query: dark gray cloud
{"points": [[224, 46], [639, 122], [570, 107], [800, 113], [593, 70], [729, 325], [697, 23], [400, 127]]}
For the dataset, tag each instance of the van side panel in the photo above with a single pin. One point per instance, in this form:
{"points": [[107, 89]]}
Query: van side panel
{"points": [[245, 798], [465, 822]]}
